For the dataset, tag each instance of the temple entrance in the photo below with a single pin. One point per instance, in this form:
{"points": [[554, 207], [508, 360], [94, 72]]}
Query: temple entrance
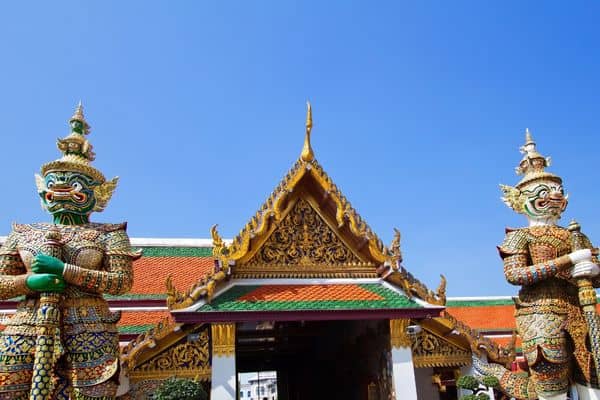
{"points": [[319, 359]]}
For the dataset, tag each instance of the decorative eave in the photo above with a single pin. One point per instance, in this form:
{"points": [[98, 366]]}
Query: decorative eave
{"points": [[150, 343], [400, 277], [437, 348]]}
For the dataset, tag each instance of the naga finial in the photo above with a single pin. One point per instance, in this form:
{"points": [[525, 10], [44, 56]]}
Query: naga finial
{"points": [[395, 248], [307, 152]]}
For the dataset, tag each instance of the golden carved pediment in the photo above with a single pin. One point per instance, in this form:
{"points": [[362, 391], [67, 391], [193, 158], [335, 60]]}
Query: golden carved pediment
{"points": [[190, 357], [303, 244], [430, 350]]}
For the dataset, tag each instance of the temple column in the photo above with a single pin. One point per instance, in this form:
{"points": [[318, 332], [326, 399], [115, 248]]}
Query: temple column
{"points": [[403, 371], [224, 379]]}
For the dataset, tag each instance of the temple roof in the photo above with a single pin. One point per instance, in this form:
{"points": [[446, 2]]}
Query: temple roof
{"points": [[259, 300], [306, 229]]}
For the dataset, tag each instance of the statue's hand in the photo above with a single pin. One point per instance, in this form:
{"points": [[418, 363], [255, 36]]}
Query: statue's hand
{"points": [[45, 264], [580, 255], [46, 283], [585, 269]]}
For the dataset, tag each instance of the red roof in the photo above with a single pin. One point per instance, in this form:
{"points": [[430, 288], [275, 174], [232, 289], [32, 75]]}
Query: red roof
{"points": [[150, 273]]}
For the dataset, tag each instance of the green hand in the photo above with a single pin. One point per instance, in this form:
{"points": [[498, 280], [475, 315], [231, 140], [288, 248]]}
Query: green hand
{"points": [[45, 264], [46, 283]]}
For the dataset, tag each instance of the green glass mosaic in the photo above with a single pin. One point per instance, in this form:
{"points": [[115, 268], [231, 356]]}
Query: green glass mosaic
{"points": [[129, 296], [228, 302], [480, 303], [135, 328], [176, 251]]}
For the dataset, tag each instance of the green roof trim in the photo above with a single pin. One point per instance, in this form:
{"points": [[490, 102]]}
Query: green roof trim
{"points": [[480, 303], [228, 301], [133, 296], [135, 328], [175, 251]]}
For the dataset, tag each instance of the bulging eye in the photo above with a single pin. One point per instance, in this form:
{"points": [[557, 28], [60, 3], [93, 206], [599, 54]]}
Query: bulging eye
{"points": [[49, 184], [76, 185], [543, 193]]}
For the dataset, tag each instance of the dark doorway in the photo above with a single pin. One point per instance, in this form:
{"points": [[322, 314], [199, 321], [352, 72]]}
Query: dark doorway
{"points": [[318, 359]]}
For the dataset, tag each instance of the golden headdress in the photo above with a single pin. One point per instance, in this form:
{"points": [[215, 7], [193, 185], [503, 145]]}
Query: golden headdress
{"points": [[532, 166], [77, 157]]}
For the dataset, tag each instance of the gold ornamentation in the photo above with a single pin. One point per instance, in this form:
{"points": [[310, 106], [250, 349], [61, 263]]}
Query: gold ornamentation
{"points": [[223, 339], [413, 287], [512, 198], [188, 356], [104, 192], [218, 244], [398, 336], [430, 350], [307, 151], [147, 340], [395, 249], [302, 245], [77, 152]]}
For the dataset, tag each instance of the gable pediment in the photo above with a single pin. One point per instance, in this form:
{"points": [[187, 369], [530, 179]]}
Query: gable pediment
{"points": [[304, 244]]}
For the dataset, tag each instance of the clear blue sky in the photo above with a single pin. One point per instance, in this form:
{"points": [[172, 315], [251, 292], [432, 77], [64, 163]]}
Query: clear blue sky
{"points": [[419, 110]]}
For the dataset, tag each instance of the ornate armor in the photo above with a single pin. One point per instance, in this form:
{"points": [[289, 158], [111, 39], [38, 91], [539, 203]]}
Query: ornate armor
{"points": [[548, 313]]}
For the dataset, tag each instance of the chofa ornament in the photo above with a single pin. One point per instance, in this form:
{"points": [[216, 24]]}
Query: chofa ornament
{"points": [[62, 342], [557, 270]]}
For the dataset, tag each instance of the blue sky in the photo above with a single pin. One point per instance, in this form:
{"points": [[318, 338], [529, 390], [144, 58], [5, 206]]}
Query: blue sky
{"points": [[419, 111]]}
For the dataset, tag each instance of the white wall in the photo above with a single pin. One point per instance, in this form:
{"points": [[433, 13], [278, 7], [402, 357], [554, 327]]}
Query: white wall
{"points": [[223, 385]]}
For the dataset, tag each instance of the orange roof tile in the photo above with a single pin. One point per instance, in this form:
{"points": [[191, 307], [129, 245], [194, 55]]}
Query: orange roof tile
{"points": [[309, 293], [150, 273], [485, 317], [137, 318]]}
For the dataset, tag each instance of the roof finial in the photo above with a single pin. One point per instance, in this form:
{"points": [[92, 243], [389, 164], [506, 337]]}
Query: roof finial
{"points": [[307, 152]]}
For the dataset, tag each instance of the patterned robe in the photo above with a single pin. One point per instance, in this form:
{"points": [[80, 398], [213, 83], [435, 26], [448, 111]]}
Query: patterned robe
{"points": [[548, 313], [98, 259]]}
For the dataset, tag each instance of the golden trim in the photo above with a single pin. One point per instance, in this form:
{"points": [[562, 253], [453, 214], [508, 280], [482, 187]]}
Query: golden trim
{"points": [[223, 339], [203, 374], [398, 336]]}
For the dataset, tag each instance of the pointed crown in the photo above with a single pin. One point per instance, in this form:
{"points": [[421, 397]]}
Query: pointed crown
{"points": [[76, 149], [533, 164]]}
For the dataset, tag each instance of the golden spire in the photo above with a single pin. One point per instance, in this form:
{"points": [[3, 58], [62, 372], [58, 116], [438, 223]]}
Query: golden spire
{"points": [[307, 152], [78, 116]]}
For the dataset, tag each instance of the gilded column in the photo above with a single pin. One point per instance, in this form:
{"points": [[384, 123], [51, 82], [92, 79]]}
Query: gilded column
{"points": [[224, 379]]}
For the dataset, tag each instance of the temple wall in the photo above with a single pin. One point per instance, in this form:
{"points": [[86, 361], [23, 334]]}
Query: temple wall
{"points": [[426, 390]]}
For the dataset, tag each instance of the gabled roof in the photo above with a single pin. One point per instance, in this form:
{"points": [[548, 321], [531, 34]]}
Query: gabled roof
{"points": [[305, 229]]}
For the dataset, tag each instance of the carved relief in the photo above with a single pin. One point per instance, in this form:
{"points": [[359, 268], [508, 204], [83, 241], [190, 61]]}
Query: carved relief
{"points": [[302, 244], [188, 358], [430, 350], [223, 339], [303, 238]]}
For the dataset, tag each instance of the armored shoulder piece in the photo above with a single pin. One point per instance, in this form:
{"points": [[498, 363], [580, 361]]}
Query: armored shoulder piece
{"points": [[515, 242]]}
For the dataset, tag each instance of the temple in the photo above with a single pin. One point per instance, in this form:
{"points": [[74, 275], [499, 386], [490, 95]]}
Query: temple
{"points": [[307, 294]]}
